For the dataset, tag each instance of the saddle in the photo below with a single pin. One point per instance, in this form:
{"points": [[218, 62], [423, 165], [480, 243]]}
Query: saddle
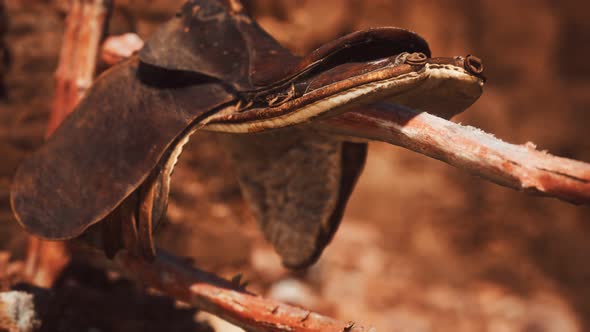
{"points": [[106, 170]]}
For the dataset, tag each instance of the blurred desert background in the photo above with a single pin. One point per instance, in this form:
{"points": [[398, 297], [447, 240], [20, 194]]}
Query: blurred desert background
{"points": [[423, 246]]}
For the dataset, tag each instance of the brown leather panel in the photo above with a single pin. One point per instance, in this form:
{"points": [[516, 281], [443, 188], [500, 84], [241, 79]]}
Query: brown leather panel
{"points": [[204, 39], [106, 147], [296, 182]]}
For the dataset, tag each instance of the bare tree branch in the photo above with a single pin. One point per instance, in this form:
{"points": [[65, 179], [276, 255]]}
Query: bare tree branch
{"points": [[520, 167], [226, 299]]}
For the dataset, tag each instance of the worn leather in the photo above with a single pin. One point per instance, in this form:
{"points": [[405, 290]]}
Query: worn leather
{"points": [[296, 181], [207, 38], [107, 147]]}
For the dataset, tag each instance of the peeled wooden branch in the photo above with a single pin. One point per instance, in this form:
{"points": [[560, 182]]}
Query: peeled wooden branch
{"points": [[226, 299], [77, 60], [520, 167]]}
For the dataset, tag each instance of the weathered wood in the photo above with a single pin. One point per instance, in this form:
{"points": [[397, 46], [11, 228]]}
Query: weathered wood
{"points": [[227, 299], [78, 56], [520, 167]]}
